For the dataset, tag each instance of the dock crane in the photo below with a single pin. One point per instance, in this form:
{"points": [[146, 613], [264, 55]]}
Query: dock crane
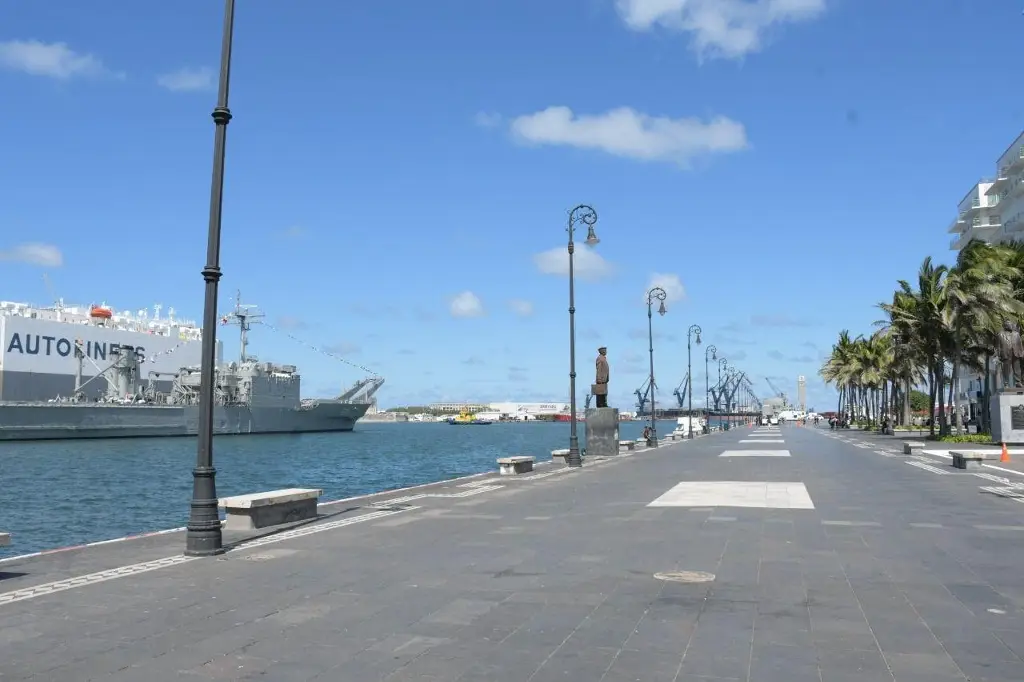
{"points": [[749, 387], [778, 393], [643, 394], [737, 379], [682, 390]]}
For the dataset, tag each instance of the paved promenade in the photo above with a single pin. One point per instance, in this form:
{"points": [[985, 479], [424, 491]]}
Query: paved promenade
{"points": [[832, 559]]}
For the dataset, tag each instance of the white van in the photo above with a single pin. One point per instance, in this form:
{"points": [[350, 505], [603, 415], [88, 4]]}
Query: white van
{"points": [[791, 416]]}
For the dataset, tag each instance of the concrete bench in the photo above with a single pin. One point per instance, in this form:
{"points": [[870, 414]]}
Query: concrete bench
{"points": [[511, 466], [910, 445], [966, 459], [5, 539], [259, 510], [563, 453], [628, 444]]}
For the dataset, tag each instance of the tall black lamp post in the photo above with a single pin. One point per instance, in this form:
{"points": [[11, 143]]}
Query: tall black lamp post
{"points": [[722, 364], [655, 294], [694, 330], [710, 353], [203, 535], [587, 216]]}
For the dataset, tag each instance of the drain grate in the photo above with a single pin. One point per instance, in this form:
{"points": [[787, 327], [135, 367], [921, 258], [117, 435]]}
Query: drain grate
{"points": [[685, 576]]}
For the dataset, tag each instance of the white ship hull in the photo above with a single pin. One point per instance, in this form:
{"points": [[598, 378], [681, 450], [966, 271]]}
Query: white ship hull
{"points": [[38, 361]]}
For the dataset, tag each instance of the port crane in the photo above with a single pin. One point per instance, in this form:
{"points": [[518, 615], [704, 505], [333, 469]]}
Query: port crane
{"points": [[643, 394], [778, 393], [749, 388], [725, 391], [682, 390]]}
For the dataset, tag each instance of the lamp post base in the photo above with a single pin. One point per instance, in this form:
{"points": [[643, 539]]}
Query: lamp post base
{"points": [[652, 442], [203, 533], [573, 459]]}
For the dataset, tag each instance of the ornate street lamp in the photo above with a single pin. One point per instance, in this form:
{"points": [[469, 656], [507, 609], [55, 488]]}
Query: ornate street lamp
{"points": [[710, 353], [694, 330], [203, 533], [585, 215], [655, 294]]}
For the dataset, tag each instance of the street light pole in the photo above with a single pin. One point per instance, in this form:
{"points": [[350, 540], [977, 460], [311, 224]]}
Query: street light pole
{"points": [[694, 330], [711, 352], [655, 294], [203, 533], [588, 216], [722, 364]]}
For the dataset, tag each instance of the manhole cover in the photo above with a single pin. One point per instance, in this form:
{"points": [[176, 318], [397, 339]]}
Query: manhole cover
{"points": [[686, 576]]}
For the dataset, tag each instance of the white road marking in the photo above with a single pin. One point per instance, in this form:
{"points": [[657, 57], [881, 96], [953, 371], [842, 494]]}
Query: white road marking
{"points": [[755, 453], [763, 440], [736, 494]]}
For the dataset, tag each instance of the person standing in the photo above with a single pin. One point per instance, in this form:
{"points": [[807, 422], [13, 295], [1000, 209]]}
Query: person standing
{"points": [[600, 387]]}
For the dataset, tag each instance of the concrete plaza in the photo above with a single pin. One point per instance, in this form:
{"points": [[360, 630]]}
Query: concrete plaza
{"points": [[822, 558]]}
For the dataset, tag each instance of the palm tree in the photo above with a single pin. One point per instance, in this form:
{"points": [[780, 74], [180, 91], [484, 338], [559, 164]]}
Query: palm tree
{"points": [[948, 321]]}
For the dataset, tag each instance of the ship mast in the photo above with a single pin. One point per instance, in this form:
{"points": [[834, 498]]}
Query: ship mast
{"points": [[244, 316]]}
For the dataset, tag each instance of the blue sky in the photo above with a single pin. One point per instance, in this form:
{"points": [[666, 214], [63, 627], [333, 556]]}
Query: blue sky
{"points": [[778, 164]]}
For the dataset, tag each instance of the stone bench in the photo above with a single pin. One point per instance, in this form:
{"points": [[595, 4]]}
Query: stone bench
{"points": [[563, 453], [910, 445], [272, 508], [519, 464], [966, 459], [628, 444], [5, 539]]}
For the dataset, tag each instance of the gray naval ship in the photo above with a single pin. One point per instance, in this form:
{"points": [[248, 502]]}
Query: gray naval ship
{"points": [[251, 397]]}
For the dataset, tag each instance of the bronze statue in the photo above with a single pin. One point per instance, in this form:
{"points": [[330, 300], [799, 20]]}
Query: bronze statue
{"points": [[1011, 354], [600, 387]]}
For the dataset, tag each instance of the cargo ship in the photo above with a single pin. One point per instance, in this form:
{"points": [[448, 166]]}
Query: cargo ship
{"points": [[94, 374]]}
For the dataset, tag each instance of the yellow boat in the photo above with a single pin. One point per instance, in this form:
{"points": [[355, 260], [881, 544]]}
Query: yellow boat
{"points": [[468, 418]]}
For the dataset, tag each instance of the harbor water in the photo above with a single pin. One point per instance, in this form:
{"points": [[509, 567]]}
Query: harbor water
{"points": [[62, 493]]}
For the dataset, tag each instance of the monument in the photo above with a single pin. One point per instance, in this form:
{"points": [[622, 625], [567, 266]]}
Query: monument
{"points": [[1007, 403], [602, 432]]}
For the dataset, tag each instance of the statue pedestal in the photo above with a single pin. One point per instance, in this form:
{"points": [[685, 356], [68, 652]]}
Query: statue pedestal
{"points": [[1008, 416], [602, 432]]}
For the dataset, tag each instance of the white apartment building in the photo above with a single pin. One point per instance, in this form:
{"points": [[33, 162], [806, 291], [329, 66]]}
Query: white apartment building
{"points": [[992, 211], [977, 217]]}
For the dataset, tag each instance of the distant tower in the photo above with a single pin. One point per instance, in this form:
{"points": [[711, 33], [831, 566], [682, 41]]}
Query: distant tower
{"points": [[801, 392]]}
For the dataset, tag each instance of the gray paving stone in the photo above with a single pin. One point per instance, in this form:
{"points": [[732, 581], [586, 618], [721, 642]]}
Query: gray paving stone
{"points": [[472, 591]]}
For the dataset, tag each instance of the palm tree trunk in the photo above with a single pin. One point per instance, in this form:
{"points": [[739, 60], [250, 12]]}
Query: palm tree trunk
{"points": [[906, 401], [986, 395], [932, 390], [954, 397]]}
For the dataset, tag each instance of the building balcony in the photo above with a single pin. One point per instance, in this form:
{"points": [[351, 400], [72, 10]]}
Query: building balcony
{"points": [[976, 199], [1014, 225], [988, 233], [1012, 159]]}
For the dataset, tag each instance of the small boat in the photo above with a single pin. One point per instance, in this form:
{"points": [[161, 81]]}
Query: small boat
{"points": [[466, 418]]}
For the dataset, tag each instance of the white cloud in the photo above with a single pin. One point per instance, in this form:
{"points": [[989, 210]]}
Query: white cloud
{"points": [[674, 289], [466, 304], [632, 134], [52, 60], [34, 254], [188, 80], [521, 307], [719, 28], [588, 263]]}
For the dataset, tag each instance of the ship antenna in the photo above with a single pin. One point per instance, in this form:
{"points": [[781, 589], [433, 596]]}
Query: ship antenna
{"points": [[244, 316]]}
